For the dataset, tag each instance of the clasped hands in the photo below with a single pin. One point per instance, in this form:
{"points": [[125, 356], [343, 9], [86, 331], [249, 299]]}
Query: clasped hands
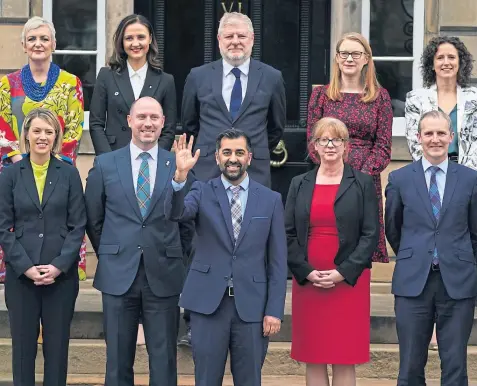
{"points": [[43, 274], [325, 279]]}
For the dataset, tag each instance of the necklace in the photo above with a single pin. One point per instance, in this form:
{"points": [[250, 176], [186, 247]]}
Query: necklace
{"points": [[36, 92]]}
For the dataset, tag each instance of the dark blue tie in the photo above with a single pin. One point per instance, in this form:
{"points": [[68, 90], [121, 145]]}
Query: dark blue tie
{"points": [[435, 203], [236, 97]]}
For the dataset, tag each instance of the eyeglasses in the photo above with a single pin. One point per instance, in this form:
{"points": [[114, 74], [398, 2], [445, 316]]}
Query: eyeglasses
{"points": [[354, 54], [336, 142]]}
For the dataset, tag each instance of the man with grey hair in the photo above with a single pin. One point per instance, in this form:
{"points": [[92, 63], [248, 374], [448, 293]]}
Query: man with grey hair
{"points": [[431, 225], [235, 91]]}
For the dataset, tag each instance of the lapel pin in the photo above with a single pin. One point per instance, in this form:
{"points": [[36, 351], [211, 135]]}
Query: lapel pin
{"points": [[116, 93], [167, 163], [50, 182], [150, 86]]}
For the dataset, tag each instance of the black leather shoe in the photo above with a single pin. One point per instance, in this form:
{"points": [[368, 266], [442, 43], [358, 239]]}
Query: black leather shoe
{"points": [[186, 339]]}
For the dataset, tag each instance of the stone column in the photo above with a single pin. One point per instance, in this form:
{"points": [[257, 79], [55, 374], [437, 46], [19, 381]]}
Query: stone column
{"points": [[115, 11]]}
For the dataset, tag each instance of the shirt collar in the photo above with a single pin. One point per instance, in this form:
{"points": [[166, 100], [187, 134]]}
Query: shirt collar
{"points": [[244, 67], [141, 72], [244, 184], [135, 151], [443, 165]]}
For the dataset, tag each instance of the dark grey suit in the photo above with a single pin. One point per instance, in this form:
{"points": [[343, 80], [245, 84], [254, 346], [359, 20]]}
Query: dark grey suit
{"points": [[140, 266], [34, 233], [421, 294], [262, 116], [112, 99]]}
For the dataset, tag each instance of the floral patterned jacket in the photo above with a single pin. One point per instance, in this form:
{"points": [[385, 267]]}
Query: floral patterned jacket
{"points": [[423, 100]]}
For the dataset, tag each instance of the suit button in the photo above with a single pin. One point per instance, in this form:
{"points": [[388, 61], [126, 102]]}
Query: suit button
{"points": [[40, 216], [143, 226], [226, 278], [234, 257], [124, 128], [437, 232], [40, 235]]}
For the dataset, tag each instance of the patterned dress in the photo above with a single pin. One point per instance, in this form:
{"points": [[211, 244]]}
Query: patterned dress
{"points": [[370, 131], [65, 99]]}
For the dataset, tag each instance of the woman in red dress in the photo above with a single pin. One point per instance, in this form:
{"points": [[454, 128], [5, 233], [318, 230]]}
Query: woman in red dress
{"points": [[332, 226], [355, 97]]}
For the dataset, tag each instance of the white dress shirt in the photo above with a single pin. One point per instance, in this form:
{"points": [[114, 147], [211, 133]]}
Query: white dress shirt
{"points": [[440, 175], [137, 79], [136, 164], [228, 80]]}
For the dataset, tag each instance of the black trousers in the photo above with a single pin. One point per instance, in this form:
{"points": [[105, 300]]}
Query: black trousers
{"points": [[54, 305], [160, 321], [414, 324]]}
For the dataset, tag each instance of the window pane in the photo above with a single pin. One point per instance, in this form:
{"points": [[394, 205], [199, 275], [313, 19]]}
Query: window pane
{"points": [[396, 77], [391, 27], [84, 67], [75, 24]]}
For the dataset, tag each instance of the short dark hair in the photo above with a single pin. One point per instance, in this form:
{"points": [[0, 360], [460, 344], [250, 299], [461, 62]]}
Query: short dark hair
{"points": [[435, 114], [427, 60], [233, 134], [118, 60]]}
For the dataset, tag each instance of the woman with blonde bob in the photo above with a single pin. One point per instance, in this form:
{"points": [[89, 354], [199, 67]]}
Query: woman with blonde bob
{"points": [[42, 224], [332, 225], [355, 97]]}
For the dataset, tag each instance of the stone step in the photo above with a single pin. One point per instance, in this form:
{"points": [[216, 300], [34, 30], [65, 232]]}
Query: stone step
{"points": [[188, 380], [88, 357], [88, 318]]}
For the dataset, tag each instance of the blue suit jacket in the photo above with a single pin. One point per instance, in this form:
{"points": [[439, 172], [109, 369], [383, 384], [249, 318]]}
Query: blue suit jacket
{"points": [[257, 261], [412, 230], [120, 235]]}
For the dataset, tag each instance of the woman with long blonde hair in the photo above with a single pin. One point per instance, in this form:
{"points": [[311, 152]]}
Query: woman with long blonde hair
{"points": [[355, 97]]}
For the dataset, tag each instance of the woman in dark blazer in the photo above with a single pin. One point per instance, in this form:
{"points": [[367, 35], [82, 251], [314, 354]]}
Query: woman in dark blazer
{"points": [[332, 227], [42, 225], [134, 71]]}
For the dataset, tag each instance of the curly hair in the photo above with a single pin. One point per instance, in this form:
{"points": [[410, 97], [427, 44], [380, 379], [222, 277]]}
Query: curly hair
{"points": [[427, 60]]}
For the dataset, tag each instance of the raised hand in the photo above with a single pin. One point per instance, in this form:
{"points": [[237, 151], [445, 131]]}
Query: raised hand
{"points": [[185, 161]]}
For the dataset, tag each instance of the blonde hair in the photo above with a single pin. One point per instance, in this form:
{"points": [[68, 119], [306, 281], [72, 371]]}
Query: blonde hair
{"points": [[335, 127], [49, 118], [36, 22], [231, 18], [368, 73]]}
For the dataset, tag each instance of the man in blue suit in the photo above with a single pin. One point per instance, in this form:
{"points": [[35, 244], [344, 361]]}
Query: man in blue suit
{"points": [[237, 281], [140, 254], [431, 224]]}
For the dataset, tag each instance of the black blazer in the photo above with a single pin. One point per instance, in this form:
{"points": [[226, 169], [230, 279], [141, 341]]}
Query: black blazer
{"points": [[48, 233], [357, 220], [112, 99]]}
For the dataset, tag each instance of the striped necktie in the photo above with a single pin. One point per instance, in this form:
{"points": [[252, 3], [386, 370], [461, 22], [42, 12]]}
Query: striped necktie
{"points": [[236, 210], [435, 203]]}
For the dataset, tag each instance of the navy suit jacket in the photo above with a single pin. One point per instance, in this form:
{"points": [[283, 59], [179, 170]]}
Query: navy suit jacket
{"points": [[48, 233], [262, 116], [120, 235], [257, 261], [412, 230]]}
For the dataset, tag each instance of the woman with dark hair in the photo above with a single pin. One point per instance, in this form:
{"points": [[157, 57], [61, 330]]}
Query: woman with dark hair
{"points": [[446, 66], [134, 71]]}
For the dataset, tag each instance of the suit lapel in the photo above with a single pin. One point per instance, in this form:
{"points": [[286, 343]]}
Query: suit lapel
{"points": [[163, 171], [217, 77], [306, 189], [224, 205], [346, 181], [123, 164], [151, 83], [250, 209], [451, 183], [124, 85], [421, 187], [29, 181], [51, 180], [254, 76]]}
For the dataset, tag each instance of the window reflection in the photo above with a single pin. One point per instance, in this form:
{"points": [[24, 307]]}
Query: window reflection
{"points": [[396, 77]]}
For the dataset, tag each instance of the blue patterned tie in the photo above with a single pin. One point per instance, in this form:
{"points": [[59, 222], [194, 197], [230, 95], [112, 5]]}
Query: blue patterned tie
{"points": [[143, 191], [236, 210], [236, 97], [435, 203]]}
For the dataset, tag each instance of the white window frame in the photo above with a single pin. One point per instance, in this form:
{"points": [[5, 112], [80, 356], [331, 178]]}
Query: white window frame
{"points": [[399, 123], [100, 51]]}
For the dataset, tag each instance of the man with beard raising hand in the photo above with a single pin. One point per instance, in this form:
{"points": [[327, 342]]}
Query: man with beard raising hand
{"points": [[237, 281]]}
